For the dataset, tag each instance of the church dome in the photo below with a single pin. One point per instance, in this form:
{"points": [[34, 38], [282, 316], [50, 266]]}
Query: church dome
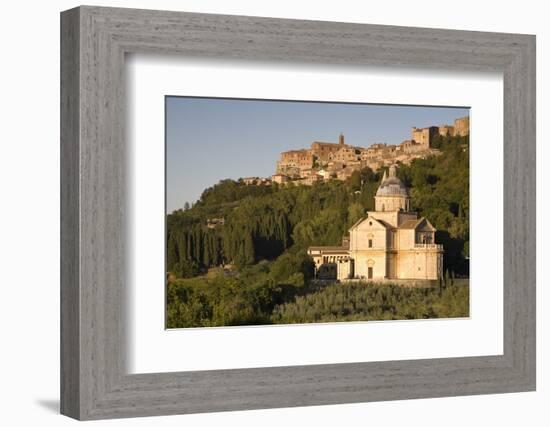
{"points": [[392, 186]]}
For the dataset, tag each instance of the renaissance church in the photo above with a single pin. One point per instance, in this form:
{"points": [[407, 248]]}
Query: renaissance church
{"points": [[390, 243]]}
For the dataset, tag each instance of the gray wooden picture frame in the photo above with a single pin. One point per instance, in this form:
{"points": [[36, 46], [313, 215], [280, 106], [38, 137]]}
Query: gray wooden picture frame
{"points": [[94, 382]]}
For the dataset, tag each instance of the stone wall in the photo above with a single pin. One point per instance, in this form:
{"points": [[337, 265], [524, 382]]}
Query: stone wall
{"points": [[405, 239], [446, 130], [418, 265], [424, 136], [368, 230], [373, 259], [294, 159], [322, 150], [344, 269], [462, 126]]}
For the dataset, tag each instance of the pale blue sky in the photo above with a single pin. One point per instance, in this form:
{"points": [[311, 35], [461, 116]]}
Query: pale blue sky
{"points": [[209, 139]]}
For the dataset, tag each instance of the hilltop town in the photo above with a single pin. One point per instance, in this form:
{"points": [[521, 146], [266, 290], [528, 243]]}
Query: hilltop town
{"points": [[257, 252], [329, 160]]}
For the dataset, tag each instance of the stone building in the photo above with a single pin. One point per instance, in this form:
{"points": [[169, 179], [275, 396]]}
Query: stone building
{"points": [[344, 173], [346, 154], [280, 178], [311, 179], [446, 130], [291, 162], [424, 136], [374, 164], [322, 150], [462, 126], [327, 173], [410, 146], [256, 180], [250, 180], [390, 243]]}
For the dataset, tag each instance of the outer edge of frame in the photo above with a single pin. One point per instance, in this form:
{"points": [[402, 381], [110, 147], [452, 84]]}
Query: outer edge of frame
{"points": [[155, 394], [70, 387]]}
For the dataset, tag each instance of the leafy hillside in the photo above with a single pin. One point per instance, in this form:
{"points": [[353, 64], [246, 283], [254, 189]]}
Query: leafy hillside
{"points": [[250, 265], [261, 222]]}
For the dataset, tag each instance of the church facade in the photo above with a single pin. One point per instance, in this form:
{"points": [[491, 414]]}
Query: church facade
{"points": [[391, 242]]}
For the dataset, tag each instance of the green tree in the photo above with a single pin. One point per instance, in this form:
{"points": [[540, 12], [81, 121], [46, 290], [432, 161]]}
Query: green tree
{"points": [[355, 213], [355, 181]]}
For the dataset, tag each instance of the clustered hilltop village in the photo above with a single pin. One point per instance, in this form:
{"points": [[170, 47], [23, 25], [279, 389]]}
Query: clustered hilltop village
{"points": [[328, 160]]}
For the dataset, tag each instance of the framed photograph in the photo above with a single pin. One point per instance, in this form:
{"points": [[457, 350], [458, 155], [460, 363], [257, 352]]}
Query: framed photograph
{"points": [[261, 213]]}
